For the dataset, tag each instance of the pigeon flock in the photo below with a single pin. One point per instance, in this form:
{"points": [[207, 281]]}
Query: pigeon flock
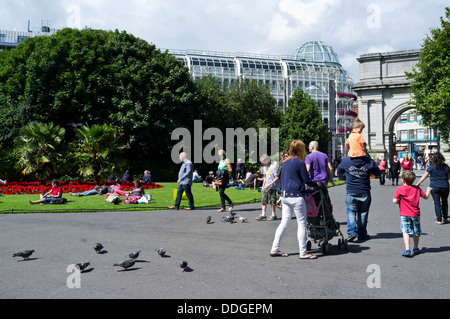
{"points": [[98, 248], [131, 257]]}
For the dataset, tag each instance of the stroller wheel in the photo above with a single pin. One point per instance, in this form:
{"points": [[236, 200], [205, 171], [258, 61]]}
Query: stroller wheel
{"points": [[308, 245], [329, 248], [339, 244]]}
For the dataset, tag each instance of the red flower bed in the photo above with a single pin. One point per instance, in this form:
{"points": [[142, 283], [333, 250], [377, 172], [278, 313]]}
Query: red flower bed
{"points": [[73, 187]]}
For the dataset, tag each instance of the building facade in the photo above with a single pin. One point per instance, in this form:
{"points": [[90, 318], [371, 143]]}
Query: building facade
{"points": [[314, 67], [392, 127], [11, 39]]}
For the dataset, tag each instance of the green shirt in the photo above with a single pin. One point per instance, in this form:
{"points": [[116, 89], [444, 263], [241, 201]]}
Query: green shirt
{"points": [[223, 164]]}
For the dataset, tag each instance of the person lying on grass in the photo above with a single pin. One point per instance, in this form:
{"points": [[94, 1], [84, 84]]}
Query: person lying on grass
{"points": [[97, 190]]}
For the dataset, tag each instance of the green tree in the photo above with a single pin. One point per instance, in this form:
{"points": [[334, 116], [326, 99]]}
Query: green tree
{"points": [[253, 105], [303, 120], [216, 102], [245, 104], [38, 149], [431, 79], [96, 150], [98, 77]]}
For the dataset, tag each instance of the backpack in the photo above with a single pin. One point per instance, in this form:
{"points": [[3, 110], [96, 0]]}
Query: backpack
{"points": [[58, 201], [113, 199]]}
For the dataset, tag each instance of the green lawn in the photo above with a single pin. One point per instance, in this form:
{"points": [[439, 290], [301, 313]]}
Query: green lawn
{"points": [[161, 199]]}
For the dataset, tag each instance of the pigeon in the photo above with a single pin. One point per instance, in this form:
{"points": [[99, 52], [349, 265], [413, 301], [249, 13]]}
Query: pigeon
{"points": [[242, 219], [82, 266], [134, 254], [98, 248], [208, 219], [25, 254], [230, 219], [183, 265], [161, 252], [125, 264]]}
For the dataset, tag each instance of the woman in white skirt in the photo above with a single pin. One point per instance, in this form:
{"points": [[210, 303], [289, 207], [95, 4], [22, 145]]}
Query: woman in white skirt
{"points": [[293, 177]]}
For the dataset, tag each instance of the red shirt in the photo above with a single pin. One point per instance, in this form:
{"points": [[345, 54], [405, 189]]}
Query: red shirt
{"points": [[409, 196], [56, 190], [406, 164]]}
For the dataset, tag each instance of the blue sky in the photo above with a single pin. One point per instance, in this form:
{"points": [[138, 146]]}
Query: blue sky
{"points": [[351, 27]]}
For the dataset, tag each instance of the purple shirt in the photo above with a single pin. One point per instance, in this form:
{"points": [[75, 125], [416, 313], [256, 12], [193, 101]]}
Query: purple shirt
{"points": [[319, 166]]}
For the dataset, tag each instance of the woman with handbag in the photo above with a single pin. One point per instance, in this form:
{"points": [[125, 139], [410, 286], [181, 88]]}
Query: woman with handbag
{"points": [[225, 167]]}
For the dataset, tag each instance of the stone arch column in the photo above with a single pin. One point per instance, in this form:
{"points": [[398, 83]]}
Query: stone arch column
{"points": [[383, 94]]}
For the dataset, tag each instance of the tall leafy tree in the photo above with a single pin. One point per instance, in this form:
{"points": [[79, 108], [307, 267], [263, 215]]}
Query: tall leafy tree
{"points": [[96, 150], [98, 77], [253, 105], [431, 79], [38, 149], [303, 120], [245, 104]]}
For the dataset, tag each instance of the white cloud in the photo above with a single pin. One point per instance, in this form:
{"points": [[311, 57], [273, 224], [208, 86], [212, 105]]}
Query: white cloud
{"points": [[253, 26], [307, 12]]}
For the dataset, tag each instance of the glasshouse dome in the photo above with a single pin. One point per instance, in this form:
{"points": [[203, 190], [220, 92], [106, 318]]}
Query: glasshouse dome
{"points": [[316, 51]]}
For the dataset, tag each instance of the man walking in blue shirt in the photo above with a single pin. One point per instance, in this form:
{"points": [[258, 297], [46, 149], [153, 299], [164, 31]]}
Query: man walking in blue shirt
{"points": [[184, 182], [357, 172]]}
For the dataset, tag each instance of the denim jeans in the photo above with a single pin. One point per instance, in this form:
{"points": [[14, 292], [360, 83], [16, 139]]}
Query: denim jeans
{"points": [[187, 189], [357, 214], [440, 208], [87, 193]]}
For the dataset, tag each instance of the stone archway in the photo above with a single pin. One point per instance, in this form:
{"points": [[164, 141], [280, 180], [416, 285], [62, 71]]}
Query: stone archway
{"points": [[389, 122], [383, 94]]}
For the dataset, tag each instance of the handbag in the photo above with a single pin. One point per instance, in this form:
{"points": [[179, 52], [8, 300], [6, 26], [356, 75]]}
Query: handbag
{"points": [[220, 174]]}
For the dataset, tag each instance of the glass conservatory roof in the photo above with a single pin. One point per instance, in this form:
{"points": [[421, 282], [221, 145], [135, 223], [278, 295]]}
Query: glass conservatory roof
{"points": [[316, 51]]}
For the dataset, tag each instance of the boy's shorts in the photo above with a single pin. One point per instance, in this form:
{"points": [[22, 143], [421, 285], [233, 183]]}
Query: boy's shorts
{"points": [[410, 225], [268, 196]]}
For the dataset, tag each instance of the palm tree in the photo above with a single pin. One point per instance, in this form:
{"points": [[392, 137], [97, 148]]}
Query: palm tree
{"points": [[37, 148], [95, 149]]}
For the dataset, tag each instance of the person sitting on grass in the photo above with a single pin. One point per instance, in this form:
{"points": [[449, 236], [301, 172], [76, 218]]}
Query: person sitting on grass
{"points": [[136, 193], [254, 180], [116, 191], [209, 180], [45, 198]]}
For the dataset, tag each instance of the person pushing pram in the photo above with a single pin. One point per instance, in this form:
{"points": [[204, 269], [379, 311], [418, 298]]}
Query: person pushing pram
{"points": [[321, 225], [320, 170]]}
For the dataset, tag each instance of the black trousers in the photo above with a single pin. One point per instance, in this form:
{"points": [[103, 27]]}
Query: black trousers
{"points": [[224, 197]]}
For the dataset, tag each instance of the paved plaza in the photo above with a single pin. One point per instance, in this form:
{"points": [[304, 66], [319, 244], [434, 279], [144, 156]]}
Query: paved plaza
{"points": [[225, 260]]}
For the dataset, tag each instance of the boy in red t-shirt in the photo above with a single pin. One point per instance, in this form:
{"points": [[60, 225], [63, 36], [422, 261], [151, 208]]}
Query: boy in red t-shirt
{"points": [[408, 196]]}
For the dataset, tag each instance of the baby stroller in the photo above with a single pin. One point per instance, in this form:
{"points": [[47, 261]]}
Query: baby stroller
{"points": [[321, 225]]}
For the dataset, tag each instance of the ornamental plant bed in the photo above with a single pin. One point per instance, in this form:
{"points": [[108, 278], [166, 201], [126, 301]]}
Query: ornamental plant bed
{"points": [[12, 188], [162, 197]]}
